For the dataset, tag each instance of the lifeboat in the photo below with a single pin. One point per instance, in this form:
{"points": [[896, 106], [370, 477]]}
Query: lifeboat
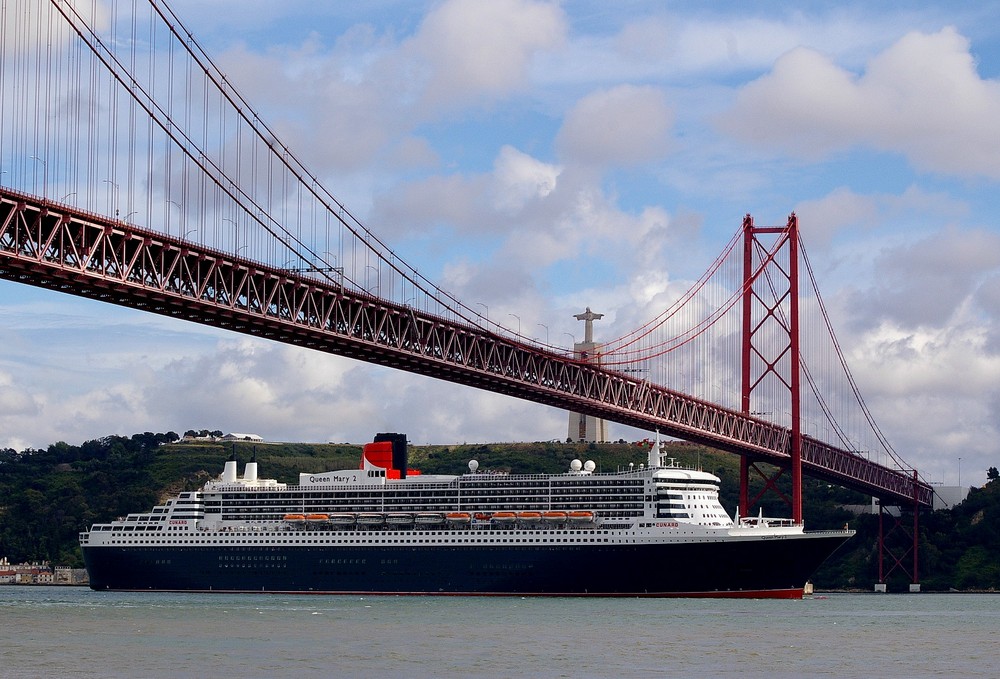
{"points": [[317, 517], [370, 519], [554, 516], [342, 518], [458, 517], [580, 516], [429, 518], [482, 516], [504, 517], [295, 518], [399, 519], [529, 517]]}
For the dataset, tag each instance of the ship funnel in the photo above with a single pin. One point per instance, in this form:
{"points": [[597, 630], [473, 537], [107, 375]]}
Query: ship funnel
{"points": [[250, 473], [400, 455], [229, 472], [654, 452]]}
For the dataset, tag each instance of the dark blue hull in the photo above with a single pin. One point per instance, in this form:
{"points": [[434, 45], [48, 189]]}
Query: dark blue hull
{"points": [[773, 567]]}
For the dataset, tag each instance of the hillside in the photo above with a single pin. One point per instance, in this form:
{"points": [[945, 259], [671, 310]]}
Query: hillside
{"points": [[49, 495]]}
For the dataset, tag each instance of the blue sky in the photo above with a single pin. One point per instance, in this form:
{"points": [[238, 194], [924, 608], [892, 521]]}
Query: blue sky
{"points": [[536, 157]]}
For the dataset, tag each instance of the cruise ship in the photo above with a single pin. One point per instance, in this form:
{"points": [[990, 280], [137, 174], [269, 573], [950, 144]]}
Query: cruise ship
{"points": [[653, 530]]}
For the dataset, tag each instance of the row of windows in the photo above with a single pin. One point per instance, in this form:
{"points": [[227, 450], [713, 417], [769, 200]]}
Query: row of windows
{"points": [[256, 514], [635, 510], [378, 498], [468, 487], [467, 504], [478, 530], [363, 541]]}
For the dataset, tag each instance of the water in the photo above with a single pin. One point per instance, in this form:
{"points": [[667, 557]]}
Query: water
{"points": [[64, 631]]}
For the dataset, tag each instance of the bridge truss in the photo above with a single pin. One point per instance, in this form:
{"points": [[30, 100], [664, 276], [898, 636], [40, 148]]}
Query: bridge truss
{"points": [[58, 247]]}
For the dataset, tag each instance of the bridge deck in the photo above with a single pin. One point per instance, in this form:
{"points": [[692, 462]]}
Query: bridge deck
{"points": [[56, 247]]}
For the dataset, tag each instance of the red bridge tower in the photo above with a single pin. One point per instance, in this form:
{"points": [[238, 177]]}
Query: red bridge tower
{"points": [[770, 352]]}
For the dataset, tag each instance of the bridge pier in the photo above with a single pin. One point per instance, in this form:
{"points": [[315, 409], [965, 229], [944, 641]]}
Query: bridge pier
{"points": [[908, 546]]}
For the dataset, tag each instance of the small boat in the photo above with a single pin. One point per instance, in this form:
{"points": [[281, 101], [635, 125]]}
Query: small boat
{"points": [[554, 516], [580, 516], [529, 517], [482, 516], [317, 518], [342, 518], [370, 519], [458, 517], [429, 518], [504, 517], [295, 518], [399, 519]]}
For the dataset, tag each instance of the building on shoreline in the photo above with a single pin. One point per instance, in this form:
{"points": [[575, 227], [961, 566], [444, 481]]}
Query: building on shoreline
{"points": [[25, 573], [64, 575], [40, 574]]}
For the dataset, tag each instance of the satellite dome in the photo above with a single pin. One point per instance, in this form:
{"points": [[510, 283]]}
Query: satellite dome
{"points": [[576, 465], [473, 466], [589, 466]]}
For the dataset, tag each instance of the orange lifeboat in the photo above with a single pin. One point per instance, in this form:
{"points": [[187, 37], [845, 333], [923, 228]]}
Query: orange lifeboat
{"points": [[554, 516], [504, 517], [317, 517], [529, 517], [581, 516], [295, 517], [458, 517]]}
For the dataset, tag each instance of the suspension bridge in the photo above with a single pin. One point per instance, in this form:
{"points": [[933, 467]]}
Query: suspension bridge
{"points": [[133, 172]]}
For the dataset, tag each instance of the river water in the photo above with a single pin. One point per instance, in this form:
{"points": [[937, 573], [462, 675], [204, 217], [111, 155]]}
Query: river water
{"points": [[70, 631]]}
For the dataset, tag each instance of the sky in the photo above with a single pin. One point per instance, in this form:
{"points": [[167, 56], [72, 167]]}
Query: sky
{"points": [[542, 157]]}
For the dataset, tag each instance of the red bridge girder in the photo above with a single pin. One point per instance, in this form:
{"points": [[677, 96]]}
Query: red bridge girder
{"points": [[55, 247]]}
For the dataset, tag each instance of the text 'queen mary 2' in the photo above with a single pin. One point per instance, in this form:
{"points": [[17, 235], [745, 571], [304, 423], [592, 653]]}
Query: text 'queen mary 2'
{"points": [[653, 531]]}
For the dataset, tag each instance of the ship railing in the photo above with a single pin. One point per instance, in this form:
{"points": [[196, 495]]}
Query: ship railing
{"points": [[516, 478], [836, 531], [765, 522]]}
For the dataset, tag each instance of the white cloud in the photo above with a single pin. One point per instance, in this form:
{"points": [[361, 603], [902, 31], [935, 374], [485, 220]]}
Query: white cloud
{"points": [[840, 209], [329, 119], [470, 49], [43, 24], [936, 391], [922, 97], [347, 103], [987, 299], [16, 400], [678, 45], [868, 219], [622, 126], [280, 392], [414, 152], [537, 214], [422, 206], [927, 283], [518, 178]]}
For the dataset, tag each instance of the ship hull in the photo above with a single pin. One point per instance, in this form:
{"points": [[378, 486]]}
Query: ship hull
{"points": [[773, 567]]}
